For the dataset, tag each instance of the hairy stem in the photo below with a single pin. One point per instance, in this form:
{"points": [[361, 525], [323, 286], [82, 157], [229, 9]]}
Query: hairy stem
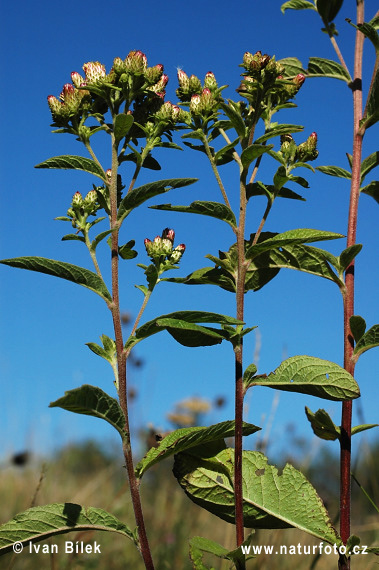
{"points": [[121, 363], [345, 442], [215, 171]]}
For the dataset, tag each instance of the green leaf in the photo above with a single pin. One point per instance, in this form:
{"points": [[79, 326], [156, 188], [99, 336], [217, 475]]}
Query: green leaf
{"points": [[328, 9], [297, 5], [357, 327], [249, 374], [373, 104], [235, 118], [348, 255], [68, 161], [63, 270], [151, 163], [139, 195], [358, 429], [368, 164], [256, 189], [369, 31], [185, 438], [334, 171], [270, 500], [225, 154], [320, 67], [369, 340], [152, 327], [99, 238], [372, 189], [190, 334], [252, 152], [292, 65], [92, 401], [199, 545], [298, 236], [279, 130], [126, 251], [73, 237], [322, 425], [207, 276], [122, 125], [212, 209], [310, 375], [40, 523]]}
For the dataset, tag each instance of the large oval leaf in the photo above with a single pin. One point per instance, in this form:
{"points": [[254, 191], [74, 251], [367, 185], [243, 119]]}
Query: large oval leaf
{"points": [[212, 209], [40, 523], [72, 162], [270, 500], [139, 195], [64, 270], [93, 401], [186, 438], [310, 375]]}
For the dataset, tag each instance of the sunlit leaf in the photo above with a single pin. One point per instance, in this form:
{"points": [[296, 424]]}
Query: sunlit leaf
{"points": [[40, 523], [372, 190], [322, 425], [185, 438], [122, 125], [320, 67], [279, 130], [73, 273], [74, 163], [310, 375], [357, 327], [369, 340], [334, 171], [212, 209], [297, 5], [270, 500]]}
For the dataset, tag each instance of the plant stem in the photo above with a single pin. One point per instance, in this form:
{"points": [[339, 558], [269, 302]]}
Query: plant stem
{"points": [[239, 392], [345, 441], [121, 363], [215, 171]]}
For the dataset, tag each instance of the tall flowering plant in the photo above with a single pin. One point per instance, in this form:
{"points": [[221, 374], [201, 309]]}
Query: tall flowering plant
{"points": [[128, 104]]}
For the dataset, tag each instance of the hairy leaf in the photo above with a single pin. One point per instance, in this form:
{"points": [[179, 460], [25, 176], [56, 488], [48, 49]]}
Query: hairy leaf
{"points": [[293, 66], [310, 375], [369, 340], [39, 523], [270, 500], [357, 327], [74, 163], [122, 125], [320, 67], [185, 438], [212, 209], [93, 401], [73, 273], [297, 5], [139, 195], [191, 334], [322, 425], [279, 130], [252, 152], [364, 427], [368, 164], [334, 171], [372, 189], [298, 236]]}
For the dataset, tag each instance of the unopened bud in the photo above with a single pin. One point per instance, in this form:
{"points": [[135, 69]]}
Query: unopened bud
{"points": [[183, 80], [95, 72], [136, 62], [210, 81], [91, 197], [153, 74], [168, 234], [194, 84], [195, 104], [177, 253], [77, 79], [77, 200]]}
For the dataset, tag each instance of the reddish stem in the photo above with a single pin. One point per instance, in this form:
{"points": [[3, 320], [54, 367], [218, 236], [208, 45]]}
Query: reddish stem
{"points": [[345, 442]]}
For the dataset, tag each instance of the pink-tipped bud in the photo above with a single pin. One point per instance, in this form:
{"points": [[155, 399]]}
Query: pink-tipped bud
{"points": [[118, 65], [168, 234], [210, 81], [91, 197], [108, 174], [195, 104], [54, 104], [95, 72], [153, 74], [67, 92], [136, 62], [77, 200], [194, 84], [183, 80], [77, 79], [177, 253], [299, 80]]}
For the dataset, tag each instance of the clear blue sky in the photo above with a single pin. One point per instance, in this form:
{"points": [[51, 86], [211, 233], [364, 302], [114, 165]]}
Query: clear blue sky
{"points": [[45, 322]]}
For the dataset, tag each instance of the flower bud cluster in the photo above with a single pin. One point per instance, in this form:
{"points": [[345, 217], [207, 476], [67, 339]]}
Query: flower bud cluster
{"points": [[304, 152], [81, 208], [161, 250], [203, 99], [71, 102], [261, 72]]}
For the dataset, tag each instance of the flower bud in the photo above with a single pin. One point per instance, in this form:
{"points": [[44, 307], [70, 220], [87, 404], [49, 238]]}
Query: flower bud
{"points": [[183, 80], [168, 234], [195, 104], [54, 104], [91, 197], [118, 65], [77, 200], [177, 253], [194, 84], [148, 245], [153, 74], [299, 79], [77, 79], [136, 62], [210, 81], [95, 72], [166, 246]]}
